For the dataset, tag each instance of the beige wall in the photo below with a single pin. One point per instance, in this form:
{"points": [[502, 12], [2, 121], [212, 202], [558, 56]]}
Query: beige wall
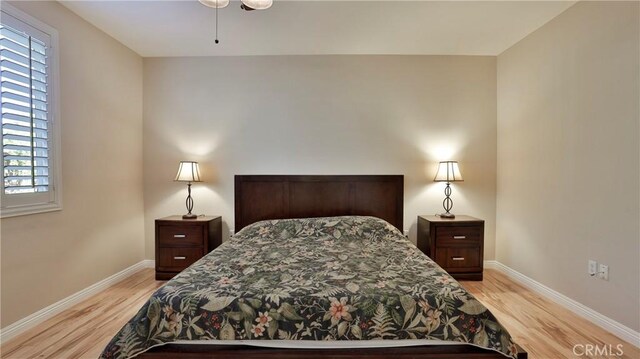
{"points": [[568, 156], [47, 257], [567, 99], [320, 115]]}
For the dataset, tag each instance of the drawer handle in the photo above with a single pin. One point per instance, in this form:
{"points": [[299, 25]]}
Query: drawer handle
{"points": [[457, 258], [179, 236], [459, 237], [180, 258]]}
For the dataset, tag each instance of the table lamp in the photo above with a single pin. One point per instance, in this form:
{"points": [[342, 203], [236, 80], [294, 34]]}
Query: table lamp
{"points": [[448, 171], [188, 172]]}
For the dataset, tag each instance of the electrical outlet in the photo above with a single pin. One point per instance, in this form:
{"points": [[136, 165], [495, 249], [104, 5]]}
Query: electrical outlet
{"points": [[593, 268], [603, 272], [406, 233]]}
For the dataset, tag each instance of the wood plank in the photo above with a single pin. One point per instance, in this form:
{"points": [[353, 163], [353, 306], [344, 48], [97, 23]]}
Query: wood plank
{"points": [[85, 329], [543, 328]]}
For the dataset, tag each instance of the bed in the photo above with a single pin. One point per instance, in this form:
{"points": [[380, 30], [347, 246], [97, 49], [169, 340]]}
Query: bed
{"points": [[318, 267]]}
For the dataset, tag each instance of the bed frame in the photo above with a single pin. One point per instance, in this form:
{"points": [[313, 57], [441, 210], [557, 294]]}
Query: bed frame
{"points": [[260, 197], [276, 197], [199, 351]]}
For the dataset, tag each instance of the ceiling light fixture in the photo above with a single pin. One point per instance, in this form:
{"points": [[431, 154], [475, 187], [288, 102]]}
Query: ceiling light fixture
{"points": [[248, 5], [218, 4]]}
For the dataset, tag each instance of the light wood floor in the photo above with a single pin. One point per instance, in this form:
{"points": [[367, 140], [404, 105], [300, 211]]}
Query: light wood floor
{"points": [[542, 328]]}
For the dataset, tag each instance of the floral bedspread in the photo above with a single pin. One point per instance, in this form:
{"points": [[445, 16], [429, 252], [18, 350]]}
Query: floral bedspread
{"points": [[334, 278]]}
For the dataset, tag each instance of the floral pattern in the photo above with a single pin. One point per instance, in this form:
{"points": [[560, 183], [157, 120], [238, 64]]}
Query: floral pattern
{"points": [[334, 278]]}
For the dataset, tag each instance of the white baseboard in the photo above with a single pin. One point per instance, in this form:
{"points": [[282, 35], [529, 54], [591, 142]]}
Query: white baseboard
{"points": [[620, 330], [601, 320], [40, 316]]}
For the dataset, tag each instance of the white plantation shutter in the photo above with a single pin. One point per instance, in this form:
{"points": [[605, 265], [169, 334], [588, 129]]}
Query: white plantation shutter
{"points": [[23, 71], [26, 104]]}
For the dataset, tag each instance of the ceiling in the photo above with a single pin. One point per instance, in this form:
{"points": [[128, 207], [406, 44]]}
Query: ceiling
{"points": [[186, 28]]}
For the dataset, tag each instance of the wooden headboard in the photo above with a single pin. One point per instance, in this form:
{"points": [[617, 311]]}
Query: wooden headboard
{"points": [[260, 197]]}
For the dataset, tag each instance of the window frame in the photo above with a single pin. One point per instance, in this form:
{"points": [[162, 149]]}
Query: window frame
{"points": [[31, 203]]}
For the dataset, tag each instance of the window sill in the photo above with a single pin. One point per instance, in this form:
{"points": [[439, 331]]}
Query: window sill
{"points": [[28, 210]]}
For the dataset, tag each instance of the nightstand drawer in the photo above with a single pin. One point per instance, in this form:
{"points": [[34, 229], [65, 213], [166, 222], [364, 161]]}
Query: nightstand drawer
{"points": [[459, 259], [459, 235], [180, 242], [177, 259], [178, 236], [456, 244]]}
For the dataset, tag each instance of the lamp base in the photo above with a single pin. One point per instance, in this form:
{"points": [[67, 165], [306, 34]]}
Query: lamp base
{"points": [[190, 216], [447, 215]]}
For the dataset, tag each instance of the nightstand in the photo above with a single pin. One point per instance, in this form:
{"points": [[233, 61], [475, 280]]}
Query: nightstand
{"points": [[181, 242], [456, 244]]}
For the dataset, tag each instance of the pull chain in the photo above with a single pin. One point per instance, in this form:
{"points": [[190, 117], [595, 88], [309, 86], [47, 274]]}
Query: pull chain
{"points": [[217, 5]]}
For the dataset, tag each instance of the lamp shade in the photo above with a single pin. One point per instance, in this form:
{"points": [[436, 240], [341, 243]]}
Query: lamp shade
{"points": [[448, 171], [257, 4], [188, 171], [215, 3]]}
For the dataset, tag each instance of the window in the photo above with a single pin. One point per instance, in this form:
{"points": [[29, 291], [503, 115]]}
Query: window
{"points": [[30, 133]]}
